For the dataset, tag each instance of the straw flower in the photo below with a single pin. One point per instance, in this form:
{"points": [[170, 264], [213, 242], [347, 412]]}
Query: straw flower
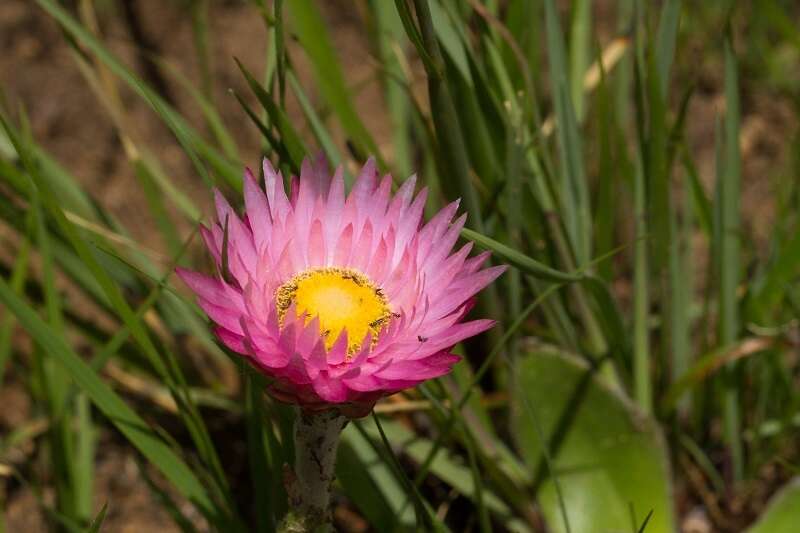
{"points": [[339, 298]]}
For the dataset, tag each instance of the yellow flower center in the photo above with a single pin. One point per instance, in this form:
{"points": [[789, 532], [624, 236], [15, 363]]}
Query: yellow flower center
{"points": [[341, 298]]}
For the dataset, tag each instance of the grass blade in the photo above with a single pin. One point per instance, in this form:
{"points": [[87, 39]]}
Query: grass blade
{"points": [[111, 405], [665, 41], [520, 260], [580, 53], [188, 138], [313, 35], [572, 182]]}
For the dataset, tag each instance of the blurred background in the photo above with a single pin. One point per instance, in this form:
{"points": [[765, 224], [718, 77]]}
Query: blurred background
{"points": [[636, 163]]}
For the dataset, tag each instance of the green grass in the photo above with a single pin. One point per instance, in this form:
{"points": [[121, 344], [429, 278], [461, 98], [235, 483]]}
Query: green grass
{"points": [[645, 348]]}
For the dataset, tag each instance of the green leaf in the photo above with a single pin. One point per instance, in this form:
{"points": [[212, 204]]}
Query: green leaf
{"points": [[608, 458], [782, 514]]}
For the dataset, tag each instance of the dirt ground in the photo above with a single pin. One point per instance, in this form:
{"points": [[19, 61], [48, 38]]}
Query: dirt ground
{"points": [[38, 71]]}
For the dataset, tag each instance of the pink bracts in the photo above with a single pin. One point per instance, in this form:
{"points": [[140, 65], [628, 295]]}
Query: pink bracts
{"points": [[340, 299]]}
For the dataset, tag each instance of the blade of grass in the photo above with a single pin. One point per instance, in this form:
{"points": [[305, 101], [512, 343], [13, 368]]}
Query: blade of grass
{"points": [[54, 384], [97, 523], [424, 514], [681, 281], [700, 202], [572, 186], [17, 284], [258, 452], [320, 131], [111, 405], [295, 148], [447, 30], [85, 441], [520, 260], [189, 139], [666, 36], [580, 53], [168, 371], [453, 149], [198, 9], [641, 305], [313, 36], [390, 48], [212, 117], [360, 468]]}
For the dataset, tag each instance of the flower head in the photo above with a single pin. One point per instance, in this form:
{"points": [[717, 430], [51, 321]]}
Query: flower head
{"points": [[341, 299]]}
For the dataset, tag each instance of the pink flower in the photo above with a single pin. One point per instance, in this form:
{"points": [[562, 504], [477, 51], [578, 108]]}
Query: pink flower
{"points": [[340, 299]]}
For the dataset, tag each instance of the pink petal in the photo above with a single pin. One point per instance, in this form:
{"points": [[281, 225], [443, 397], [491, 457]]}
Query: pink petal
{"points": [[257, 210]]}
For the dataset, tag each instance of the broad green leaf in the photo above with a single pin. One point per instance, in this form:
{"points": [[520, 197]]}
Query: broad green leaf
{"points": [[608, 458], [782, 514]]}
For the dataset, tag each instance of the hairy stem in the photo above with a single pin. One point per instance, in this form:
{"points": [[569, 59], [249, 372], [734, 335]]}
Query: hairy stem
{"points": [[316, 437]]}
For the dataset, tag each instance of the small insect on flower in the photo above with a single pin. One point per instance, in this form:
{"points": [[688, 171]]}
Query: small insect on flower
{"points": [[340, 298]]}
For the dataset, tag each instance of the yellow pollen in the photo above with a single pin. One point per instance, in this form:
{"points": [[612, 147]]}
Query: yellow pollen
{"points": [[343, 299]]}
